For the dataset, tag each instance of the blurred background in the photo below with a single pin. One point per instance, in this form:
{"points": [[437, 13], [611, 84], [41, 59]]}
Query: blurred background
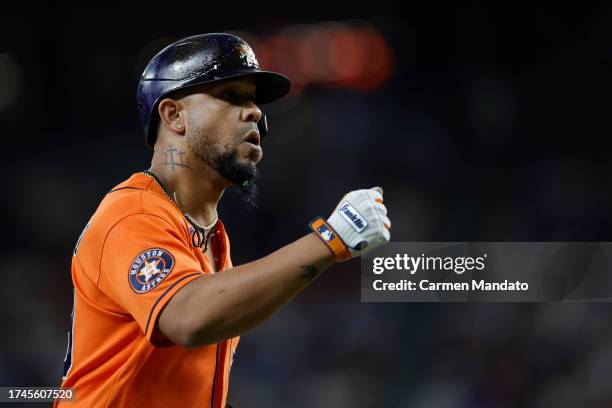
{"points": [[482, 123]]}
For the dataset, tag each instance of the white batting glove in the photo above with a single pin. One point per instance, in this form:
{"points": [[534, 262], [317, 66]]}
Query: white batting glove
{"points": [[357, 225]]}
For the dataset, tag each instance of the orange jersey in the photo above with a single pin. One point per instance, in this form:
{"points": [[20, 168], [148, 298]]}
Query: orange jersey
{"points": [[135, 253]]}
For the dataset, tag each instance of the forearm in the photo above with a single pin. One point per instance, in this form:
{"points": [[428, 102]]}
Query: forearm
{"points": [[229, 303]]}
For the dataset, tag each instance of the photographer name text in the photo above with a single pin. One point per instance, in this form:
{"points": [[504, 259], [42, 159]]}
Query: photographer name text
{"points": [[433, 264]]}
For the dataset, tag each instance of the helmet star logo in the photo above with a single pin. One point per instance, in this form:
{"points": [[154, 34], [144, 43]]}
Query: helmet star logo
{"points": [[247, 53]]}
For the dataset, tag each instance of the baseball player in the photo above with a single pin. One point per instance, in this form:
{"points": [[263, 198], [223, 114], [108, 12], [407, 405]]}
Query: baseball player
{"points": [[158, 305]]}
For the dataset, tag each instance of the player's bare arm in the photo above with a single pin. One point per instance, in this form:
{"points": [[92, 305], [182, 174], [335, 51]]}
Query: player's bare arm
{"points": [[219, 306]]}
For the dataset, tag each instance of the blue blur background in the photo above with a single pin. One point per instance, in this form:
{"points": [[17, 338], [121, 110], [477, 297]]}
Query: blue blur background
{"points": [[481, 123]]}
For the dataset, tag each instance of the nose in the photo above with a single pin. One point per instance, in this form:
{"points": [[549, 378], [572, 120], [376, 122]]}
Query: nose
{"points": [[251, 113]]}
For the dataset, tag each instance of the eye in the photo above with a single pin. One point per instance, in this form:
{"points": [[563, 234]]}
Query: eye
{"points": [[229, 95], [235, 97]]}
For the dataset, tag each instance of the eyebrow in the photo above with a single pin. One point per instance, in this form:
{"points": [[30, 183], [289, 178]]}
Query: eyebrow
{"points": [[240, 88]]}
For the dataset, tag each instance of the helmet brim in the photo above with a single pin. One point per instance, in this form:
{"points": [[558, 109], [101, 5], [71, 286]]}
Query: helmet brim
{"points": [[269, 86]]}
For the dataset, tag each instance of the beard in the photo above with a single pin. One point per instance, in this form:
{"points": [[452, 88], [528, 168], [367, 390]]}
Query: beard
{"points": [[224, 160], [243, 176]]}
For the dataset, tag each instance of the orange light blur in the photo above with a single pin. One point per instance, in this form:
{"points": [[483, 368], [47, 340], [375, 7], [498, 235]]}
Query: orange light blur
{"points": [[338, 55]]}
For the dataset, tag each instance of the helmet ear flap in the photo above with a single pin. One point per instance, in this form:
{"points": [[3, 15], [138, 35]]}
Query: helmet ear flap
{"points": [[262, 126]]}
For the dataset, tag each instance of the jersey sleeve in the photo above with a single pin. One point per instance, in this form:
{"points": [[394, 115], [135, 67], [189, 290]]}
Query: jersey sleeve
{"points": [[144, 262]]}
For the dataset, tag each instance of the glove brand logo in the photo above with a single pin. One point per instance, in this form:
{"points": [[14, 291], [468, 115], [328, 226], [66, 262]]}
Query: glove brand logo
{"points": [[352, 216]]}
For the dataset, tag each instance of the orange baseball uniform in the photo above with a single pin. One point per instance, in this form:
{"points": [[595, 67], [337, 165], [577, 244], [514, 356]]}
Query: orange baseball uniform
{"points": [[135, 253]]}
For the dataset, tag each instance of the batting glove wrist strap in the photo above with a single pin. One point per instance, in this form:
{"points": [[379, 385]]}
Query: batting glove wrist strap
{"points": [[330, 238]]}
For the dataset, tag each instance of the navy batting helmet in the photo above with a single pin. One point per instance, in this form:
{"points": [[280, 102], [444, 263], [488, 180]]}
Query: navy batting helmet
{"points": [[203, 59]]}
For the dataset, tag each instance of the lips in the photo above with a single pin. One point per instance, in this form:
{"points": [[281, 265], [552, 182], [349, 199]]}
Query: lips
{"points": [[252, 141], [253, 138]]}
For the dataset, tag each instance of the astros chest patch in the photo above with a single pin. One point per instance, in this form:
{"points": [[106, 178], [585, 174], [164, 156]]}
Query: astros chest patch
{"points": [[149, 269]]}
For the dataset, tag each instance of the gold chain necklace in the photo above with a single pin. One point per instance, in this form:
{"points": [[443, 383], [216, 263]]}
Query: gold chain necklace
{"points": [[197, 228]]}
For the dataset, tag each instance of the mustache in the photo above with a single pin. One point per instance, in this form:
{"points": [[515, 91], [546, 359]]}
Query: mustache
{"points": [[247, 130]]}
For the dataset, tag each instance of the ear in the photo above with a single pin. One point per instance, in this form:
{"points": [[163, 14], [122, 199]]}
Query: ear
{"points": [[171, 115]]}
